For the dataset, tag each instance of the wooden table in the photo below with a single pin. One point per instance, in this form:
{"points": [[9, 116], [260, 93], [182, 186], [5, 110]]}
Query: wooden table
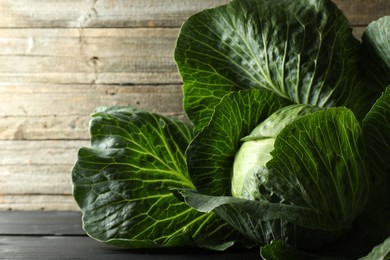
{"points": [[58, 235]]}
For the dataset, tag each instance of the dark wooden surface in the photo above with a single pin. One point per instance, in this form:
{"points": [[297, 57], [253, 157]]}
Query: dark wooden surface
{"points": [[59, 235]]}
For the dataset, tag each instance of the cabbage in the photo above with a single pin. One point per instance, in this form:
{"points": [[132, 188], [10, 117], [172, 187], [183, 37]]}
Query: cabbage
{"points": [[287, 145]]}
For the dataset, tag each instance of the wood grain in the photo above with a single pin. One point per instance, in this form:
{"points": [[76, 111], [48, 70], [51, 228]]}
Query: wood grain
{"points": [[88, 56], [100, 13], [56, 152], [85, 248], [32, 202], [140, 13], [41, 127], [40, 223], [362, 12], [32, 179], [37, 174], [62, 100]]}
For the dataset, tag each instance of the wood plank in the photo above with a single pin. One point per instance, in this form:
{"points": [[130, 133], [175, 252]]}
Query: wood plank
{"points": [[60, 100], [50, 202], [362, 12], [40, 223], [30, 179], [100, 42], [56, 152], [141, 13], [37, 174], [49, 127], [68, 247], [99, 13], [42, 76], [89, 56]]}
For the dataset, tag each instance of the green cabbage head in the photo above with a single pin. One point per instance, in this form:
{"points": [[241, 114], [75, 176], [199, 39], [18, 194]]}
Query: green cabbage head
{"points": [[286, 146]]}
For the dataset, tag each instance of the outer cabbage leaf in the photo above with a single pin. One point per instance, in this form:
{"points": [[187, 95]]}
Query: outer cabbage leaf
{"points": [[381, 251], [211, 154], [277, 251], [376, 51], [122, 184], [262, 225], [261, 221], [301, 50], [376, 130], [376, 134], [318, 162], [353, 245]]}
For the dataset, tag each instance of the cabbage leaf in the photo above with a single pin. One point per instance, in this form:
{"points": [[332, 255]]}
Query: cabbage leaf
{"points": [[122, 184], [302, 50]]}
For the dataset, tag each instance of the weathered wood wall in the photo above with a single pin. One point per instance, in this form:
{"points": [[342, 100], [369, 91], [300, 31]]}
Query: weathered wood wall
{"points": [[61, 59]]}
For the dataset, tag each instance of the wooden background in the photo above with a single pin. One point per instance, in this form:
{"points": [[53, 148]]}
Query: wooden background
{"points": [[60, 59]]}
